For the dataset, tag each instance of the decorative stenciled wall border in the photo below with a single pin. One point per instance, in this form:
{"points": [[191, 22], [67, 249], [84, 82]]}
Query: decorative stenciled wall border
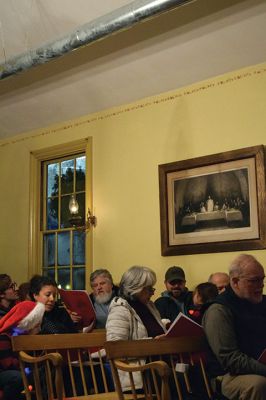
{"points": [[185, 92]]}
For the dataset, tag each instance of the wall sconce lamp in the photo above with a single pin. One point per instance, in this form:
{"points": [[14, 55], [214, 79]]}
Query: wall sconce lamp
{"points": [[91, 219], [75, 219]]}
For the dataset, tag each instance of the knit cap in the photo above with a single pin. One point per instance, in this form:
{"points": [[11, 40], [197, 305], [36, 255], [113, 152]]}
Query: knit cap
{"points": [[25, 315]]}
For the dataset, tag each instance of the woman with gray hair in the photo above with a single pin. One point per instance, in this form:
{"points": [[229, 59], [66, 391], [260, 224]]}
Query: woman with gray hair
{"points": [[133, 315]]}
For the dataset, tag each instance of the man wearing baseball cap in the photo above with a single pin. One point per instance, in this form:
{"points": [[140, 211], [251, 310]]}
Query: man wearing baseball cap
{"points": [[176, 297]]}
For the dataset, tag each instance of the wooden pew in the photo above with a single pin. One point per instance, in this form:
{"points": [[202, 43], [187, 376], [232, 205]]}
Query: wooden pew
{"points": [[128, 356], [79, 366], [76, 350]]}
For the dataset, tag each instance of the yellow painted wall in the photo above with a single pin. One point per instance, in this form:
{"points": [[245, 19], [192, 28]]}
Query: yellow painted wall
{"points": [[129, 142]]}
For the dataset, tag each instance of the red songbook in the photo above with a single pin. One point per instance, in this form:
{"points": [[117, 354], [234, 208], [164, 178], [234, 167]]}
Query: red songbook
{"points": [[79, 301], [262, 357], [184, 326]]}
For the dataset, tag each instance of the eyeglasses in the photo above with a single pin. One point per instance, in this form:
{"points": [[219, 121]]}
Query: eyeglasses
{"points": [[12, 285], [253, 281]]}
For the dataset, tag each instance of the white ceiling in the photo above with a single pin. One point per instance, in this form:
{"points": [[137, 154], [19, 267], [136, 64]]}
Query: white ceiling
{"points": [[203, 39]]}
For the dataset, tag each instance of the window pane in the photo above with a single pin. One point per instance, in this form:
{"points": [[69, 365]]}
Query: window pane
{"points": [[80, 173], [65, 213], [67, 173], [63, 246], [64, 254], [81, 201], [50, 273], [49, 250], [64, 278], [52, 179], [78, 278], [52, 214], [79, 248]]}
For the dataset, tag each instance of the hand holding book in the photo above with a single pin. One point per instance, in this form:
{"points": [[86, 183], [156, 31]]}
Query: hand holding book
{"points": [[79, 303], [75, 317], [184, 326]]}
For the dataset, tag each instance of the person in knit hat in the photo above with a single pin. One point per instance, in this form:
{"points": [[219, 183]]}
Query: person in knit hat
{"points": [[24, 317]]}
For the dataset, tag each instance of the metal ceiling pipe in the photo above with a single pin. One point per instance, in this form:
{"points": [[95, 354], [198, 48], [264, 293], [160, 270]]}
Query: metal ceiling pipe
{"points": [[113, 22]]}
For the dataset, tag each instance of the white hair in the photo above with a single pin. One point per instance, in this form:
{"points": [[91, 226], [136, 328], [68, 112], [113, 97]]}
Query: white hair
{"points": [[101, 272], [238, 265], [33, 318], [135, 279]]}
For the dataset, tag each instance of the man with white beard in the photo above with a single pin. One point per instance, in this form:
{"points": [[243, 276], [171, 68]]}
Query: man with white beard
{"points": [[103, 291]]}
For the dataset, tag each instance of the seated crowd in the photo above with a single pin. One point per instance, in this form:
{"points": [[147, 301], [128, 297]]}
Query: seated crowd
{"points": [[231, 309]]}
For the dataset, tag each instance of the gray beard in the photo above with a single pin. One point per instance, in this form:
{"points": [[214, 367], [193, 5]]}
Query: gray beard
{"points": [[103, 298]]}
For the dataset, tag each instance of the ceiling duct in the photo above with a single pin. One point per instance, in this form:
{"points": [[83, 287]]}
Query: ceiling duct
{"points": [[113, 22]]}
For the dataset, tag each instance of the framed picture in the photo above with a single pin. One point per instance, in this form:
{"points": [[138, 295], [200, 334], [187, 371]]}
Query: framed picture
{"points": [[213, 203]]}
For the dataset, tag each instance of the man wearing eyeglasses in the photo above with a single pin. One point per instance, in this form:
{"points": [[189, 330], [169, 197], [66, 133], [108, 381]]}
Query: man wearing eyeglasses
{"points": [[235, 327], [8, 294], [176, 297]]}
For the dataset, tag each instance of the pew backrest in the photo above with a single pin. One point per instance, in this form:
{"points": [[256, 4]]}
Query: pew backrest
{"points": [[183, 356], [84, 368]]}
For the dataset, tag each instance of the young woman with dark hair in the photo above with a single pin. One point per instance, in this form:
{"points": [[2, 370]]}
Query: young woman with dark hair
{"points": [[56, 319]]}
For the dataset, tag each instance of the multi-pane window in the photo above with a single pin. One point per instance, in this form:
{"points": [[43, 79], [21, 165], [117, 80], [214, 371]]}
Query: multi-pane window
{"points": [[63, 245]]}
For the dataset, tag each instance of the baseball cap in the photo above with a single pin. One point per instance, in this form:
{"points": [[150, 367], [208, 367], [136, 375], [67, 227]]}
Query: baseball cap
{"points": [[174, 273]]}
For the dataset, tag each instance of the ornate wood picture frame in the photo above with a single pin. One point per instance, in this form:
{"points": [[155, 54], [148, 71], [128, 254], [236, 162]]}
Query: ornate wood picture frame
{"points": [[213, 203]]}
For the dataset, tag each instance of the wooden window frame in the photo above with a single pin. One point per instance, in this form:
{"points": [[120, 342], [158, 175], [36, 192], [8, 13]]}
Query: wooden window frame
{"points": [[36, 159]]}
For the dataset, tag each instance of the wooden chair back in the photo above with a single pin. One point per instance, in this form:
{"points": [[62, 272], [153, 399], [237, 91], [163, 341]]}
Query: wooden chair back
{"points": [[46, 381], [83, 368], [187, 352]]}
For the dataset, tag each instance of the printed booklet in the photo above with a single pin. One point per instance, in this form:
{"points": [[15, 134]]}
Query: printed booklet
{"points": [[79, 301], [184, 326], [262, 357]]}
